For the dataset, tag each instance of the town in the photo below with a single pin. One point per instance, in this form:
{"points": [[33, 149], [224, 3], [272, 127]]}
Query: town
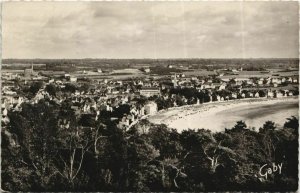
{"points": [[150, 96], [128, 94]]}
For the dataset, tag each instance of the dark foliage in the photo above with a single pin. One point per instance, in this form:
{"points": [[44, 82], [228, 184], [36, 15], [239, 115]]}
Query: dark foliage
{"points": [[45, 147]]}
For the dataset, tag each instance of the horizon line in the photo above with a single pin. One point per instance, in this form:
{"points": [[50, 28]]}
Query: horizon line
{"points": [[144, 58]]}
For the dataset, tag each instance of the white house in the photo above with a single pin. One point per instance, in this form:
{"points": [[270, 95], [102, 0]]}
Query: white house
{"points": [[270, 94], [73, 79], [260, 82], [222, 86], [279, 94], [234, 95], [150, 108]]}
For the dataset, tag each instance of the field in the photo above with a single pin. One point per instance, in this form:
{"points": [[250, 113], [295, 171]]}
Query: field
{"points": [[197, 72]]}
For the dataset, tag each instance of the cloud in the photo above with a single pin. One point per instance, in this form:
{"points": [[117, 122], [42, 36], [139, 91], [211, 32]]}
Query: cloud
{"points": [[150, 29]]}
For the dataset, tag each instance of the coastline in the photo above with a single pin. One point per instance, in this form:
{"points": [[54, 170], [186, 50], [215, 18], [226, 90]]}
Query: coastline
{"points": [[168, 116]]}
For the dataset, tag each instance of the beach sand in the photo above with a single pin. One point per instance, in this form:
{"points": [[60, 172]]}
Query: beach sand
{"points": [[220, 115]]}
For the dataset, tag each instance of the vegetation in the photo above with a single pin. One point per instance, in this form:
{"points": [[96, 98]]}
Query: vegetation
{"points": [[157, 65], [45, 147]]}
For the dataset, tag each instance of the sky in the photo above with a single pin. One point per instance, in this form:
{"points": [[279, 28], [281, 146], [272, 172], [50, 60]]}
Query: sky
{"points": [[150, 29]]}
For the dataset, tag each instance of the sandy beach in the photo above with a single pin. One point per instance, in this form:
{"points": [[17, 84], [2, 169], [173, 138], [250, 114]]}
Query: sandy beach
{"points": [[217, 116]]}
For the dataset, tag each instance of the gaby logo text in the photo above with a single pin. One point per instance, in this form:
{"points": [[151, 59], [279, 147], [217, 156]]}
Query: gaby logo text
{"points": [[266, 170]]}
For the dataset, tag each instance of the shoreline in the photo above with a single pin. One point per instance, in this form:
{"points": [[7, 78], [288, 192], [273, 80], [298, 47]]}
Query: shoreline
{"points": [[168, 116]]}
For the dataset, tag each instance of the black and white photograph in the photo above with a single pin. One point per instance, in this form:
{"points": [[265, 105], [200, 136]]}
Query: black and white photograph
{"points": [[149, 96]]}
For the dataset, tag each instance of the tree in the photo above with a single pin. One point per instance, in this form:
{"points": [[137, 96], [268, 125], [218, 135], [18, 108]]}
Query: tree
{"points": [[292, 122], [239, 125], [36, 130], [70, 88], [51, 89], [121, 110], [84, 88], [262, 93], [87, 120], [269, 125], [73, 148], [34, 88]]}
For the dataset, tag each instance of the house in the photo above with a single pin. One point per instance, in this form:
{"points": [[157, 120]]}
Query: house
{"points": [[140, 83], [134, 111], [268, 80], [28, 72], [124, 122], [77, 93], [279, 94], [270, 94], [249, 82], [234, 95], [147, 70], [206, 86], [51, 81], [155, 84], [109, 108], [73, 79], [86, 108], [222, 86], [149, 91], [142, 111], [4, 112], [260, 82], [150, 108], [210, 98], [40, 95], [295, 79], [285, 93], [11, 100], [147, 84], [276, 80]]}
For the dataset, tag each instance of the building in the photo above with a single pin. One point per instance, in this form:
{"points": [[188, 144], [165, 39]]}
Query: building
{"points": [[147, 70], [73, 79], [149, 91], [260, 82], [150, 108], [270, 94], [28, 72], [222, 86]]}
